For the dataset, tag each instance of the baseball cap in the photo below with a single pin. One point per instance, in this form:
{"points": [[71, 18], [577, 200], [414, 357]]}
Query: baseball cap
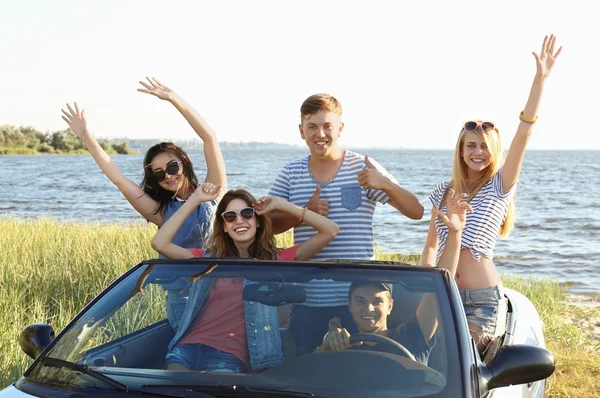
{"points": [[383, 286]]}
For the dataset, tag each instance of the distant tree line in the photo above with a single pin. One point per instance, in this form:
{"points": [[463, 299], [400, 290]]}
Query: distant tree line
{"points": [[26, 139]]}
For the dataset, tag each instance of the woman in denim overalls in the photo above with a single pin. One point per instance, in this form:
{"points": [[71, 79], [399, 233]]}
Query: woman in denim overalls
{"points": [[168, 181]]}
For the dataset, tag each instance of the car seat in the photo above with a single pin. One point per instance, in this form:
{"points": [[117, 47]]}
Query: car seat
{"points": [[405, 307]]}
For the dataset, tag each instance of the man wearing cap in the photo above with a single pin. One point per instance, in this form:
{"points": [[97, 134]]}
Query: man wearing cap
{"points": [[371, 302]]}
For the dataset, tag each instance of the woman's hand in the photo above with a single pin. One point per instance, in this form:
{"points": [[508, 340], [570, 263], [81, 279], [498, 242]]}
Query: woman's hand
{"points": [[547, 57], [456, 211], [157, 89], [205, 193], [267, 204], [76, 120]]}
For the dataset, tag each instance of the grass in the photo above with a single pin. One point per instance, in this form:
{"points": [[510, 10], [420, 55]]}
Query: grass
{"points": [[17, 151], [49, 270], [577, 356]]}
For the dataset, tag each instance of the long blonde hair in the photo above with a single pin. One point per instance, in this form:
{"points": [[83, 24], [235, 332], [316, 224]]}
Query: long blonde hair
{"points": [[460, 172]]}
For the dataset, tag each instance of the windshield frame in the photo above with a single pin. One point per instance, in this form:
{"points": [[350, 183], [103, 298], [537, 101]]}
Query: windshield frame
{"points": [[455, 333]]}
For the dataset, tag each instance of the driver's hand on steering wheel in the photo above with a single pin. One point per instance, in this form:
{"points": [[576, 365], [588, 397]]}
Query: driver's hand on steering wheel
{"points": [[337, 338]]}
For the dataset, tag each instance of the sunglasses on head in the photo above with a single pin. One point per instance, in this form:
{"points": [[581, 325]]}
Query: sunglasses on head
{"points": [[472, 126], [171, 169], [230, 215]]}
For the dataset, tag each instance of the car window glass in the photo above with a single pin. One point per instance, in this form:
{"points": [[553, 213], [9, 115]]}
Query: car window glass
{"points": [[130, 329]]}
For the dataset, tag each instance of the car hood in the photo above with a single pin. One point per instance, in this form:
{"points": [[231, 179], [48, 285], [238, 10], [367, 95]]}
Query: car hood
{"points": [[12, 392]]}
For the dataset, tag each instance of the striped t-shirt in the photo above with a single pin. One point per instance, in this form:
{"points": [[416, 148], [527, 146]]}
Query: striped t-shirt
{"points": [[490, 206], [350, 206]]}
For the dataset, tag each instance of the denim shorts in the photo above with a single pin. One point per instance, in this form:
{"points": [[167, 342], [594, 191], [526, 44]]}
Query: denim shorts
{"points": [[201, 357], [487, 309]]}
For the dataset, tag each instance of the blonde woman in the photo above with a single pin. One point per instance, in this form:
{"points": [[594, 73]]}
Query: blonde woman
{"points": [[490, 183]]}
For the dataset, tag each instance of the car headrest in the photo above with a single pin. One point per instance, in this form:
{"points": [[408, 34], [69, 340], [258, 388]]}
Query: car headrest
{"points": [[405, 305]]}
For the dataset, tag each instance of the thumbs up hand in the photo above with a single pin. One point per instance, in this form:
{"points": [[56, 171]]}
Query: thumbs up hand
{"points": [[371, 178], [318, 206], [368, 163]]}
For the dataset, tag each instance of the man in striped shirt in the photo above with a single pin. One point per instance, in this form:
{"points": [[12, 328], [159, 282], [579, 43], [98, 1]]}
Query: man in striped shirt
{"points": [[345, 187]]}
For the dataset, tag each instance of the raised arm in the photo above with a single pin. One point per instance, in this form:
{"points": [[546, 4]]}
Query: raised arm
{"points": [[140, 201], [326, 228], [429, 254], [455, 219], [283, 221], [400, 198], [514, 159], [215, 164], [162, 240]]}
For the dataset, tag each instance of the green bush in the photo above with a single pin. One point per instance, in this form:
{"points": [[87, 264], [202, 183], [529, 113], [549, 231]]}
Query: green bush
{"points": [[45, 148]]}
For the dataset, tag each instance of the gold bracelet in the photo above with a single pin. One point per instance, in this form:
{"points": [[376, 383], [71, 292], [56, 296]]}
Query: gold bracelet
{"points": [[527, 121]]}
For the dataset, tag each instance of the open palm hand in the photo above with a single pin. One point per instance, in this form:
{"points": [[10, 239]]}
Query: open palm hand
{"points": [[455, 217], [547, 57], [75, 118], [156, 88]]}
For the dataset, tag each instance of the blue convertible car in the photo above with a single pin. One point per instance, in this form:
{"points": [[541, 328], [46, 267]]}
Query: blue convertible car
{"points": [[116, 346]]}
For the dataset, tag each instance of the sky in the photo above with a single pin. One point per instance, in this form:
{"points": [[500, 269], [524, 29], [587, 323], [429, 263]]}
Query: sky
{"points": [[408, 74]]}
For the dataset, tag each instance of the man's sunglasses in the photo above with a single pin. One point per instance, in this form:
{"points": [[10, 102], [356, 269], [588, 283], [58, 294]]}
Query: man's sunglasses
{"points": [[472, 126], [171, 169], [230, 215]]}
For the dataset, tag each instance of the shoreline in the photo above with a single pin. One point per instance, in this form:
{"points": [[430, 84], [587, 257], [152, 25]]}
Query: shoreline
{"points": [[131, 152], [585, 318], [580, 300]]}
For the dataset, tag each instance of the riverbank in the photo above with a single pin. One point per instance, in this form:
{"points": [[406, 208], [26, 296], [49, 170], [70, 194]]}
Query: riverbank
{"points": [[576, 348], [28, 151], [26, 140], [62, 266], [586, 319]]}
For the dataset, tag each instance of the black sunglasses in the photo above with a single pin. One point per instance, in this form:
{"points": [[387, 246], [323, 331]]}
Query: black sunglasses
{"points": [[230, 215], [171, 169], [472, 126]]}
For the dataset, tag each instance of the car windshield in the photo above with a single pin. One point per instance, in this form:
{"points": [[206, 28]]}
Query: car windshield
{"points": [[136, 327]]}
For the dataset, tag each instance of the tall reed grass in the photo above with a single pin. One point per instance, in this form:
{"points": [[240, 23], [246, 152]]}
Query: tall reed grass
{"points": [[50, 270]]}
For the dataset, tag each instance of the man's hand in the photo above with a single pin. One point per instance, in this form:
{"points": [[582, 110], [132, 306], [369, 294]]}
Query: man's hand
{"points": [[318, 206], [337, 338], [371, 178]]}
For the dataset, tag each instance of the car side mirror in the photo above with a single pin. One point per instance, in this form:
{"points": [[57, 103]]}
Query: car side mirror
{"points": [[274, 293], [35, 338], [518, 364]]}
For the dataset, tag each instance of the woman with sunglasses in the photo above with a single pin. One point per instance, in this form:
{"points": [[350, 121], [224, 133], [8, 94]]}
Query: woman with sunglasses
{"points": [[241, 229], [168, 179], [490, 184]]}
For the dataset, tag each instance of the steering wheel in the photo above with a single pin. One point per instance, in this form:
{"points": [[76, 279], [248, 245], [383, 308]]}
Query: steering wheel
{"points": [[392, 345]]}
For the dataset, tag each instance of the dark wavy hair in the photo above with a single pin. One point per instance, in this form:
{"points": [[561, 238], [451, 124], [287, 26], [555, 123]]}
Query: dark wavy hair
{"points": [[221, 244], [153, 189]]}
